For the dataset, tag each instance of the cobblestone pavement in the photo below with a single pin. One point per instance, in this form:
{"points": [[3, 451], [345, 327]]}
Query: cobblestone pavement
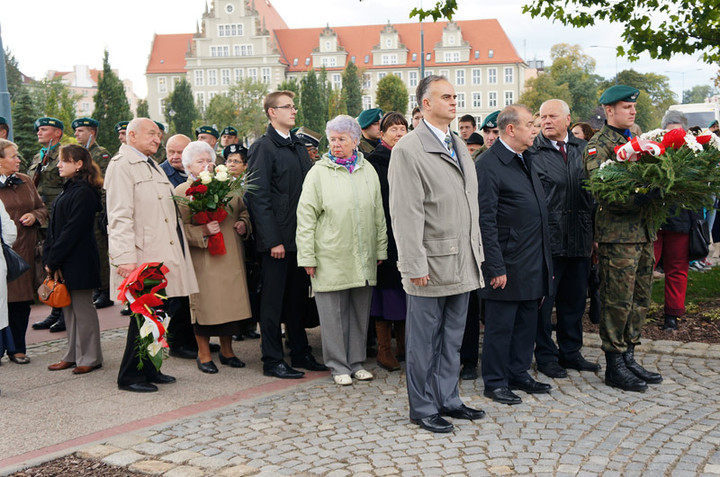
{"points": [[582, 428]]}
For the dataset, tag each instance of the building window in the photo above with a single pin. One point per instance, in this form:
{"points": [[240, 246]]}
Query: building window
{"points": [[337, 81], [200, 99], [235, 29], [381, 76], [366, 102], [445, 74], [477, 100], [414, 57], [476, 76], [389, 43], [398, 74], [460, 77], [413, 78], [367, 81], [412, 101], [211, 95], [452, 57], [492, 99], [85, 106], [162, 84], [327, 45], [162, 105], [252, 74], [225, 76], [509, 77], [509, 98], [329, 61], [212, 77], [199, 77], [389, 59], [266, 76], [492, 75], [451, 39], [216, 51], [428, 73], [238, 74], [243, 50], [461, 100], [491, 53]]}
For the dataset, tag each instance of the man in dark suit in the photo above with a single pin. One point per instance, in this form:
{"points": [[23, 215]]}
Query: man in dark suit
{"points": [[513, 222]]}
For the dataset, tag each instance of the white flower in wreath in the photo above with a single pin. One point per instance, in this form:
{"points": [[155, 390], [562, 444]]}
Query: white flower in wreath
{"points": [[146, 329], [692, 143], [605, 164], [654, 135], [205, 177], [154, 348]]}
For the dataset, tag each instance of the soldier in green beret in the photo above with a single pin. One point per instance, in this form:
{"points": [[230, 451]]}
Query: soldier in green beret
{"points": [[369, 121], [625, 251], [210, 135], [86, 133], [490, 133], [121, 130], [228, 136]]}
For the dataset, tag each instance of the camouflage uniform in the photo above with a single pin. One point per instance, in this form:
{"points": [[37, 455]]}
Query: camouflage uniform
{"points": [[219, 159], [625, 253], [50, 184], [366, 146], [101, 156], [477, 153]]}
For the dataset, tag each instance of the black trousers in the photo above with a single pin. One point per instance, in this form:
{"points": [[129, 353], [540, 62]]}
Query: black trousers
{"points": [[508, 343], [284, 298], [129, 372], [18, 317], [180, 330], [568, 296], [470, 349]]}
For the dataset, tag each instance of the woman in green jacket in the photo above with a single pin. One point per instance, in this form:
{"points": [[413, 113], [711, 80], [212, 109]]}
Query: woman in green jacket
{"points": [[341, 238]]}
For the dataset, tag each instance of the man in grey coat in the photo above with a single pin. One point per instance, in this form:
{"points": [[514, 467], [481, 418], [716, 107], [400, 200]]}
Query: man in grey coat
{"points": [[433, 192]]}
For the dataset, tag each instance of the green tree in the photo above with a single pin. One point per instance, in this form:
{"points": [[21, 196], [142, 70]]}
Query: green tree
{"points": [[655, 96], [392, 95], [180, 109], [325, 91], [697, 94], [53, 98], [24, 115], [221, 111], [574, 68], [540, 89], [248, 95], [14, 77], [314, 114], [336, 104], [352, 89], [111, 106], [293, 85], [143, 109]]}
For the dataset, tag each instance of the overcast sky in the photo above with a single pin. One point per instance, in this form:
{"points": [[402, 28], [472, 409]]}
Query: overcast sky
{"points": [[52, 34]]}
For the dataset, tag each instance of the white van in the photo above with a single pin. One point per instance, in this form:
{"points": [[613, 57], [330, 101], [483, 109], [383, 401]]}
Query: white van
{"points": [[698, 114]]}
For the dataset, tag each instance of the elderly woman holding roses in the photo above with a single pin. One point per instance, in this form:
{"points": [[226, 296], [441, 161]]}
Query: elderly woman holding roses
{"points": [[216, 246]]}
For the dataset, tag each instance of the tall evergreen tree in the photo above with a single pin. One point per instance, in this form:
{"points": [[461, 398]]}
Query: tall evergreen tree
{"points": [[180, 109], [14, 77], [111, 106], [53, 98], [248, 95], [392, 95], [221, 111], [336, 103], [352, 89], [293, 85], [143, 109], [325, 91], [314, 112], [24, 115]]}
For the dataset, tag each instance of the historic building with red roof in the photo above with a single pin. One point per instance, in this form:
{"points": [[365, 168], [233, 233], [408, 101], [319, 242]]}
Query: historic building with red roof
{"points": [[239, 39]]}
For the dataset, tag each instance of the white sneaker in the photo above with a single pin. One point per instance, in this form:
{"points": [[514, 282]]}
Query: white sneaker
{"points": [[363, 375], [342, 379]]}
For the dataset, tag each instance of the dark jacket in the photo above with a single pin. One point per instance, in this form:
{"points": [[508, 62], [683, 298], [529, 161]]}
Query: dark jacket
{"points": [[569, 204], [173, 174], [70, 243], [513, 222], [681, 222], [388, 275], [278, 167]]}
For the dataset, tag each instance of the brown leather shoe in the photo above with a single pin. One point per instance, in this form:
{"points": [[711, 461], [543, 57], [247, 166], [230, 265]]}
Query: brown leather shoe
{"points": [[86, 369], [60, 366]]}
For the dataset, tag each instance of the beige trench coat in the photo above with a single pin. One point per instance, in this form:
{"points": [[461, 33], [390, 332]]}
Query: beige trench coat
{"points": [[142, 222], [223, 296]]}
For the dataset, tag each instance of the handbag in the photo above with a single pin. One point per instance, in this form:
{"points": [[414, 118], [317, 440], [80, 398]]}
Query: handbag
{"points": [[16, 266], [53, 291], [699, 239]]}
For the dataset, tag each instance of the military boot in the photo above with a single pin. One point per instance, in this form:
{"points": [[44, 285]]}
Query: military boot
{"points": [[59, 325], [670, 324], [618, 376], [49, 320], [637, 370]]}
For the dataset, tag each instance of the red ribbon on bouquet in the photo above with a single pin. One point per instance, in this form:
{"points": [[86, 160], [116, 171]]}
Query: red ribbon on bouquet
{"points": [[216, 243]]}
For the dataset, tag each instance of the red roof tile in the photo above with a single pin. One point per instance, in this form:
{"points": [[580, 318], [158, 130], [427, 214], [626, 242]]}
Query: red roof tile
{"points": [[168, 53]]}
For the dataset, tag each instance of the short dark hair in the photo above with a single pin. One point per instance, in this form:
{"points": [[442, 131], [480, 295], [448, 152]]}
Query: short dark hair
{"points": [[272, 97], [5, 127], [423, 86], [415, 110], [468, 118], [392, 118], [510, 115]]}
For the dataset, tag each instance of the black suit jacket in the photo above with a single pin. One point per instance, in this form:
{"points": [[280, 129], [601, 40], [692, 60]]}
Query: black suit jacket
{"points": [[514, 225]]}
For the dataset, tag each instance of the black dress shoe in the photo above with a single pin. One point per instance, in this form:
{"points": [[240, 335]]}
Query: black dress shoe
{"points": [[502, 395], [58, 326], [464, 412], [138, 387], [183, 352], [552, 370], [433, 423], [46, 323], [126, 311], [208, 367], [530, 386], [161, 378], [238, 338], [253, 335], [580, 363], [233, 361], [214, 347], [308, 362], [283, 371], [468, 373]]}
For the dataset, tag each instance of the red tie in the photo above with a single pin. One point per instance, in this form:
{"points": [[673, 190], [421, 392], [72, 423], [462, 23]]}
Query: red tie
{"points": [[561, 147]]}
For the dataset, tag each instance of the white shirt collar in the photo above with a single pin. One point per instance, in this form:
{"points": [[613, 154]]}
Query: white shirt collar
{"points": [[554, 143], [508, 147], [438, 132]]}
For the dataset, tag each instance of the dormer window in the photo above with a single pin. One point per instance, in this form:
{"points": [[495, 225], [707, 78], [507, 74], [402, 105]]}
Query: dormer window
{"points": [[414, 57], [352, 58], [367, 59], [388, 43], [491, 53], [327, 45], [451, 39], [477, 54], [307, 61], [428, 57], [295, 62]]}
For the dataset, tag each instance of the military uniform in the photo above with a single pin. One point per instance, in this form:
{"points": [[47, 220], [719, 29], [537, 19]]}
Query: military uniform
{"points": [[101, 156], [366, 146], [49, 183]]}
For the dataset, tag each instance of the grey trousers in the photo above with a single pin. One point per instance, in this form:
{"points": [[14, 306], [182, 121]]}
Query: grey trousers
{"points": [[433, 335], [83, 330], [344, 317]]}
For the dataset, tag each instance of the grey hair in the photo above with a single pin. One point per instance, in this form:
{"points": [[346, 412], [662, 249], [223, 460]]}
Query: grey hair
{"points": [[134, 125], [674, 117], [423, 86], [563, 104], [511, 115], [194, 149], [344, 124]]}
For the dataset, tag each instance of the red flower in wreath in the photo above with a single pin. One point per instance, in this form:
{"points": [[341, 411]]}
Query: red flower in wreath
{"points": [[675, 138]]}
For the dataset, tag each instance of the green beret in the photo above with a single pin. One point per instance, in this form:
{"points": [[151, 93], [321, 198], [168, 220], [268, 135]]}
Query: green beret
{"points": [[207, 130], [229, 131], [369, 117], [308, 137], [54, 122], [234, 149], [89, 122], [160, 125], [490, 121], [713, 123], [619, 92], [121, 126], [475, 138], [3, 120]]}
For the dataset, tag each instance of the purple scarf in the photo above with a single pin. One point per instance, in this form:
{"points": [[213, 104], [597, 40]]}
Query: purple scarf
{"points": [[348, 164]]}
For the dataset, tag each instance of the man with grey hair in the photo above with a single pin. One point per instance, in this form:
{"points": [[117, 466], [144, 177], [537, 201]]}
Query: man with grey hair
{"points": [[674, 120], [144, 226], [557, 156], [518, 263], [173, 165], [435, 218]]}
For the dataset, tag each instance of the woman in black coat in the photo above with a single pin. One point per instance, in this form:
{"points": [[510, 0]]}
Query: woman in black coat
{"points": [[70, 247], [388, 302]]}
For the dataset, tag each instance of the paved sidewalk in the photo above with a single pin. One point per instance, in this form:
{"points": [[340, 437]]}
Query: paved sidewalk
{"points": [[241, 423]]}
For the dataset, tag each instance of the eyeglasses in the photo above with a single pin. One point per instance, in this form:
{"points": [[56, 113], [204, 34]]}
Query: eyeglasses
{"points": [[287, 106], [234, 161]]}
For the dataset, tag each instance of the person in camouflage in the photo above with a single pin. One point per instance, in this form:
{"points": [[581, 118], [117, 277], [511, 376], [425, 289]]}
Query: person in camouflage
{"points": [[44, 172], [369, 121], [625, 249]]}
